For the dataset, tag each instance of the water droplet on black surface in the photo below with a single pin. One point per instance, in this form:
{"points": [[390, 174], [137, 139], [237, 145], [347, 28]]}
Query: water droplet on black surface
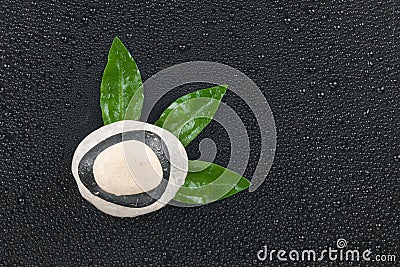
{"points": [[52, 56], [333, 84]]}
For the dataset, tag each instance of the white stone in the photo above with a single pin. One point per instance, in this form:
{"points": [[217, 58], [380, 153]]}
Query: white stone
{"points": [[127, 168], [178, 167]]}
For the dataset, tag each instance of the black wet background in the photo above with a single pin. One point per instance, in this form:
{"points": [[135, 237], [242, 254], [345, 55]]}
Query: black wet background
{"points": [[330, 72]]}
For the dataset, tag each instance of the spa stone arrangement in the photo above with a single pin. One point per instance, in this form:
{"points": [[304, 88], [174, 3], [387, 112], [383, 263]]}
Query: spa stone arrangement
{"points": [[129, 168]]}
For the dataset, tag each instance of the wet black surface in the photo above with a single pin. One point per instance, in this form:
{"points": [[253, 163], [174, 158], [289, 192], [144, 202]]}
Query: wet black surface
{"points": [[329, 70]]}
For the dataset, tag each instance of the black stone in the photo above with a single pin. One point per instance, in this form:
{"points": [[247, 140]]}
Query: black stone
{"points": [[154, 141]]}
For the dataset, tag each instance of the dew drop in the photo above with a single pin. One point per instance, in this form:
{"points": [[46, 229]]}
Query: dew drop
{"points": [[184, 47], [333, 84], [287, 20], [89, 63]]}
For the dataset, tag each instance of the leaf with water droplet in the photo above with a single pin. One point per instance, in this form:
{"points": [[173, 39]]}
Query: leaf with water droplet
{"points": [[208, 182], [187, 116], [120, 84]]}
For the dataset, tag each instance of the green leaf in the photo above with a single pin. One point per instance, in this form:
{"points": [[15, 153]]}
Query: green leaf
{"points": [[207, 182], [120, 84], [191, 113]]}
